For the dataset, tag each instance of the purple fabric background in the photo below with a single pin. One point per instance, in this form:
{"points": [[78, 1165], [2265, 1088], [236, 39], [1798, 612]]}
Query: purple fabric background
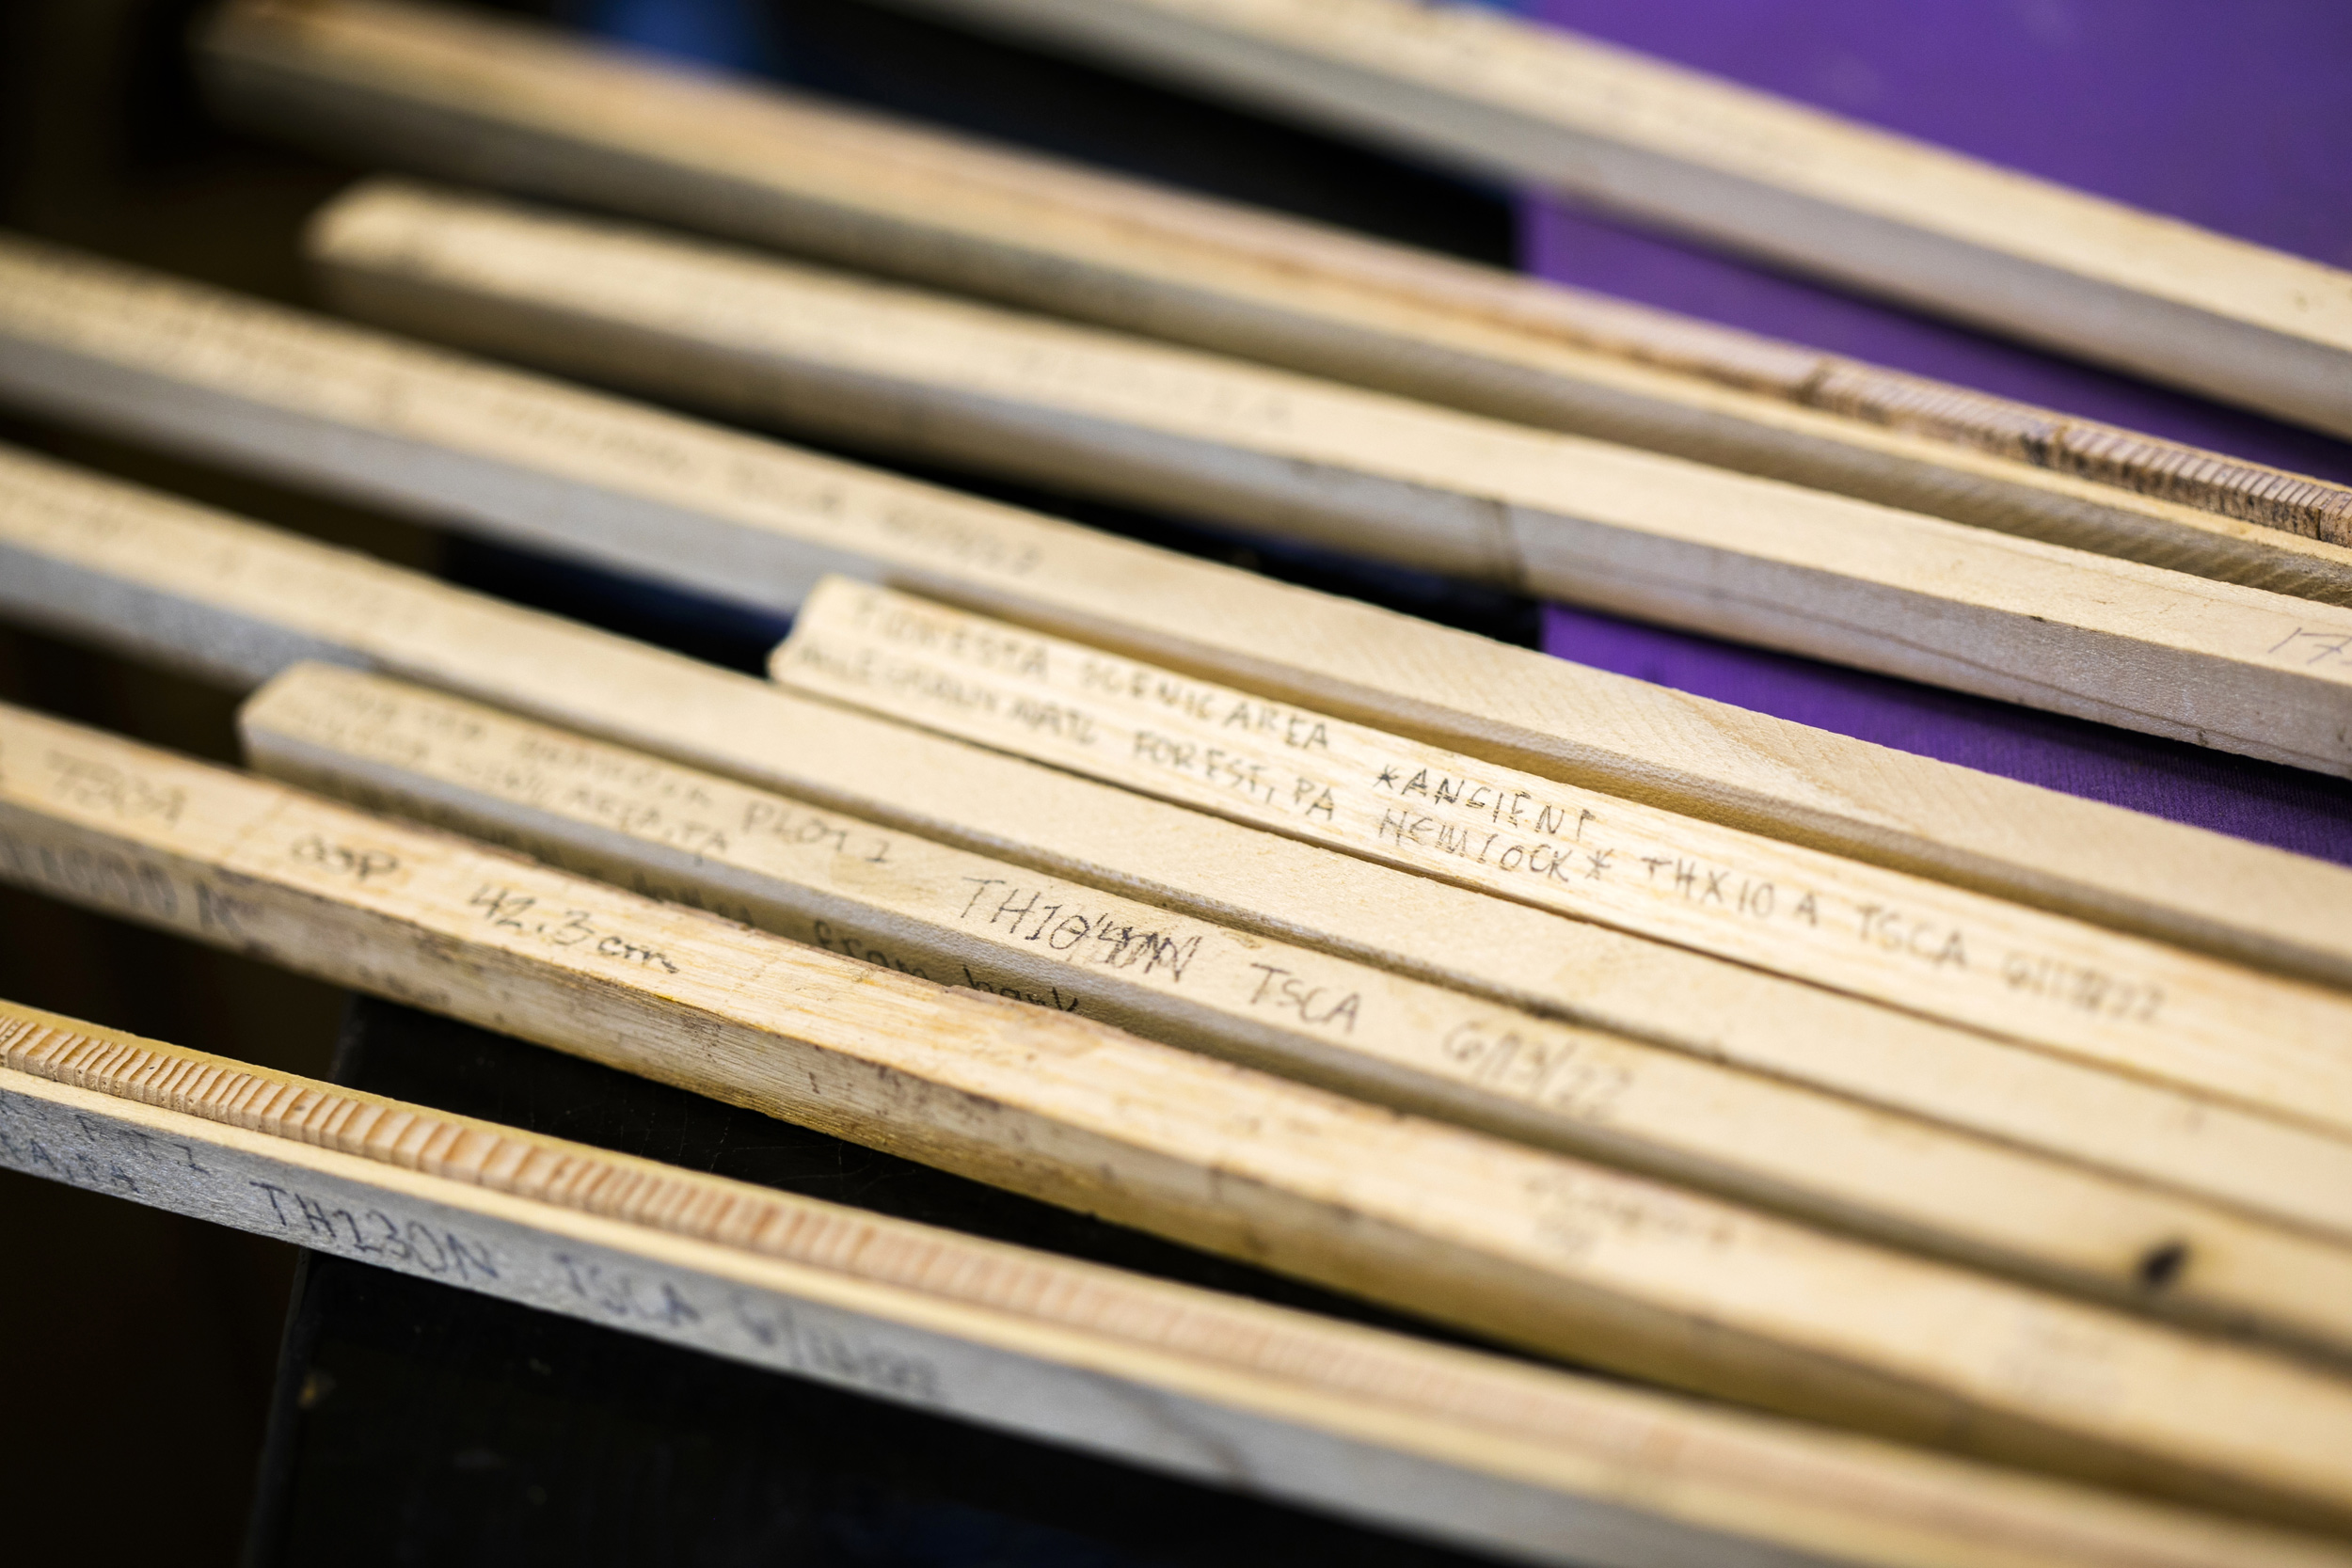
{"points": [[2229, 113]]}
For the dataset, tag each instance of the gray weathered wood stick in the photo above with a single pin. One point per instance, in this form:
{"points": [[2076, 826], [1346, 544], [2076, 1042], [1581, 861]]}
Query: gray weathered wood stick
{"points": [[1527, 1246], [1756, 174], [483, 99], [525, 458], [161, 578], [1105, 414], [2117, 1002], [942, 913], [1369, 1425]]}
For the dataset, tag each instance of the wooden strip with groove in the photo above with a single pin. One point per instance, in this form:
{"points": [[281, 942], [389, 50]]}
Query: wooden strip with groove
{"points": [[1530, 1247], [947, 1322]]}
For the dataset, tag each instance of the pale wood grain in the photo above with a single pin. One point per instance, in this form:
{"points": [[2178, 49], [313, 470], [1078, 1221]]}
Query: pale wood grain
{"points": [[486, 99], [238, 603], [523, 458], [924, 908], [1754, 173], [1530, 1247], [1417, 1436], [164, 579], [2119, 1001], [1552, 515]]}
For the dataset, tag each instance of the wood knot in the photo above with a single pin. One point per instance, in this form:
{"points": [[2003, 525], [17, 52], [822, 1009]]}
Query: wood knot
{"points": [[2159, 1266]]}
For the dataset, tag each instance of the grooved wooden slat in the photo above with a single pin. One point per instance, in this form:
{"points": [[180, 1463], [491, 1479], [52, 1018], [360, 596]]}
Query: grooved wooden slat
{"points": [[161, 579], [924, 908], [1531, 1247], [1759, 174], [1431, 1439], [484, 100], [455, 441]]}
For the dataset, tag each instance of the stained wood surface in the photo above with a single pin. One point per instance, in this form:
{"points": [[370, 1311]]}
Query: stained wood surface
{"points": [[1756, 174], [524, 458], [1530, 1247], [851, 887], [161, 578], [2132, 1006], [1431, 1439], [1552, 515], [485, 100]]}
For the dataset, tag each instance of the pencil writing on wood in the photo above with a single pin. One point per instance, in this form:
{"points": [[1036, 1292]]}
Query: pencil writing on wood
{"points": [[941, 913], [1528, 1246], [1587, 1261], [463, 444], [1434, 1440], [2116, 1001], [166, 579]]}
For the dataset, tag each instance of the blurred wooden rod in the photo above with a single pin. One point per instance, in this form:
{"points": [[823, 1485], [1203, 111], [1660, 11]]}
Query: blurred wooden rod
{"points": [[485, 100], [1556, 517], [1753, 173], [1530, 1247], [1548, 515], [942, 913], [2117, 1002], [525, 458], [207, 593], [1370, 1425]]}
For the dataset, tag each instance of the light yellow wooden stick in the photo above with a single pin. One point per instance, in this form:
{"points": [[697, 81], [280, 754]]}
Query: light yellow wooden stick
{"points": [[161, 579], [1754, 173], [1552, 515], [1376, 1425], [527, 459], [483, 99], [2119, 1002], [940, 913], [1530, 1247]]}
